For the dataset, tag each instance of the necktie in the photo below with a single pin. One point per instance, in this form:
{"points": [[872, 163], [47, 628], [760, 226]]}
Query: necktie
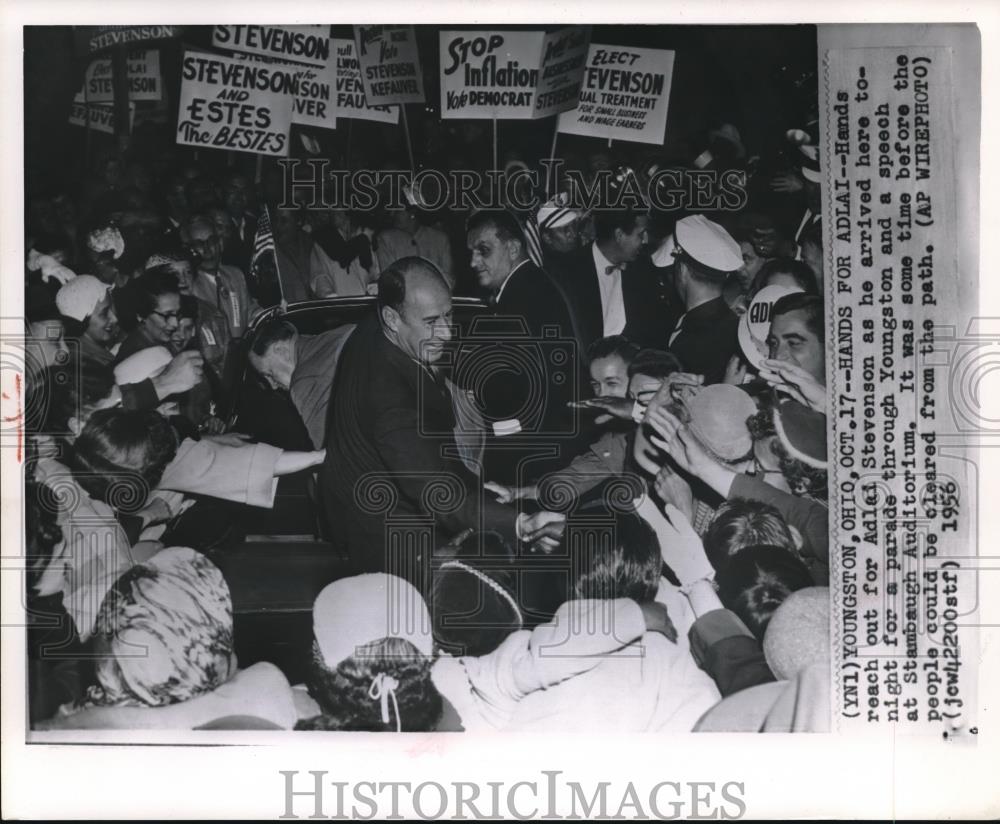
{"points": [[614, 267], [677, 329]]}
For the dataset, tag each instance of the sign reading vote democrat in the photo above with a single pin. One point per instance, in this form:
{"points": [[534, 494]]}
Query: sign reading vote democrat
{"points": [[229, 104], [301, 44], [511, 75], [489, 74], [390, 65], [351, 100], [624, 96], [144, 82]]}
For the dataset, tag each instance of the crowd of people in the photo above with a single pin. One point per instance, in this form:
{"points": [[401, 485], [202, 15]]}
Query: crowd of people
{"points": [[613, 472]]}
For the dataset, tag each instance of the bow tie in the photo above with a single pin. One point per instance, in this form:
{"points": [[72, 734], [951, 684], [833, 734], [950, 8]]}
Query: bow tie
{"points": [[614, 267]]}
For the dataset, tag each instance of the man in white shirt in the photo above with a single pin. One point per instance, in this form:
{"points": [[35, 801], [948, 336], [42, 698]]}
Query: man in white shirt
{"points": [[607, 295]]}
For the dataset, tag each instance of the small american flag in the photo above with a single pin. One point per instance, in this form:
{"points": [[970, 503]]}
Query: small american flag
{"points": [[264, 263], [533, 239]]}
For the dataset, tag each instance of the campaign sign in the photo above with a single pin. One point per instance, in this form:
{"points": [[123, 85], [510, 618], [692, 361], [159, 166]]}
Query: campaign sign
{"points": [[300, 44], [144, 81], [101, 116], [314, 104], [564, 57], [511, 75], [227, 103], [624, 95], [390, 65], [351, 101], [489, 74]]}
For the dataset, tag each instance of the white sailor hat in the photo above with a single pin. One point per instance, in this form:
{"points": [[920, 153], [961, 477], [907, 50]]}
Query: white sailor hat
{"points": [[808, 153], [556, 212], [707, 244]]}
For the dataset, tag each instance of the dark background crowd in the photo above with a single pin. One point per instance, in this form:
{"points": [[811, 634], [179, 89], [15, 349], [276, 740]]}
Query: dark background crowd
{"points": [[653, 378]]}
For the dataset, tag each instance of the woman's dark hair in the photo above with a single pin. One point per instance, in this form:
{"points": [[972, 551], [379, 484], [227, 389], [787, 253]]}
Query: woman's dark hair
{"points": [[87, 383], [617, 554], [798, 270], [149, 286], [740, 523], [343, 693], [757, 580], [802, 479], [473, 602], [120, 456], [189, 307]]}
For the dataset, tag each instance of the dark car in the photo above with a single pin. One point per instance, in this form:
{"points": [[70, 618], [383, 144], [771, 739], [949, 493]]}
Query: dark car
{"points": [[280, 560]]}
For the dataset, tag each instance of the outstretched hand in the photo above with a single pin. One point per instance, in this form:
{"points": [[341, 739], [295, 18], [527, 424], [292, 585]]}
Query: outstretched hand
{"points": [[792, 380], [681, 548], [620, 408], [543, 530]]}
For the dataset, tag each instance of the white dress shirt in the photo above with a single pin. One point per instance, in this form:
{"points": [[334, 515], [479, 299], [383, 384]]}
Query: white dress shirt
{"points": [[612, 300]]}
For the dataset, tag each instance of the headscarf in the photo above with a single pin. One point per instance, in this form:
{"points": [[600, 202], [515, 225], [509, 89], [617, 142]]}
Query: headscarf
{"points": [[165, 633]]}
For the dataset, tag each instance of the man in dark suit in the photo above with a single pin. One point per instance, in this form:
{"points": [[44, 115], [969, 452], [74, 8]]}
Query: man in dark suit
{"points": [[394, 486], [528, 370], [705, 336], [238, 250], [608, 291]]}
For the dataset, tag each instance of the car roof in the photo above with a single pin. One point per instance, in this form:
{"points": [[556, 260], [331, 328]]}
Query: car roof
{"points": [[311, 316]]}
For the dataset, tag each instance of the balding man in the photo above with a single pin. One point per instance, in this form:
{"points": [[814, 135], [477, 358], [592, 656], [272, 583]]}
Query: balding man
{"points": [[394, 486]]}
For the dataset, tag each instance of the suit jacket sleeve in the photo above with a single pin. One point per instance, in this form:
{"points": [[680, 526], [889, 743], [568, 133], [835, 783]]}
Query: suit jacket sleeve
{"points": [[417, 465], [723, 647], [604, 459], [811, 519]]}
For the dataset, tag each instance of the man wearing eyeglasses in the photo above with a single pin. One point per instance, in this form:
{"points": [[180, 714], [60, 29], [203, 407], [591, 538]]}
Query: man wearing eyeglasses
{"points": [[221, 285]]}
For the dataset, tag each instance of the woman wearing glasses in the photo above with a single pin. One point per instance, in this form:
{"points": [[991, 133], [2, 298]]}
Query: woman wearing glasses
{"points": [[159, 316]]}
